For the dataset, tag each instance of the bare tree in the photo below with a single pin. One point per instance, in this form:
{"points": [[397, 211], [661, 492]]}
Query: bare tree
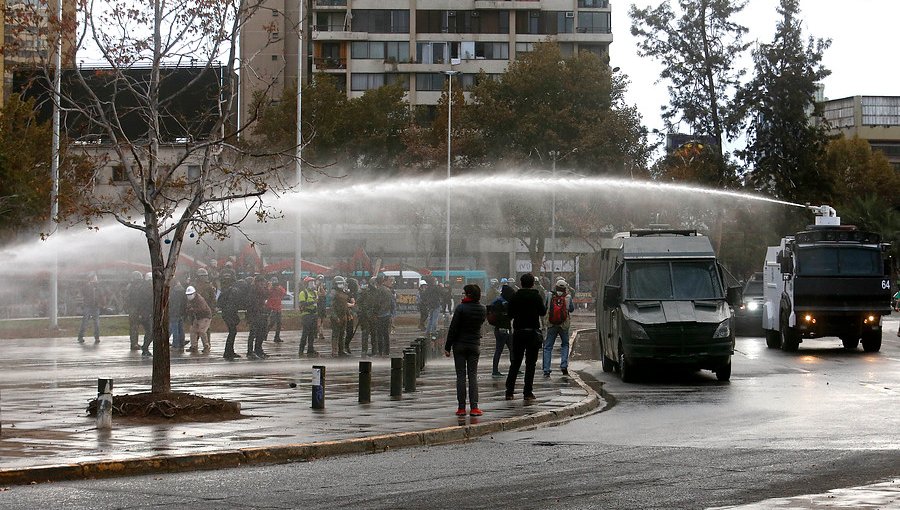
{"points": [[159, 119]]}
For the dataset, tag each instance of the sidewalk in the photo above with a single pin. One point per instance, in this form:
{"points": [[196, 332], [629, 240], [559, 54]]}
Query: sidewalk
{"points": [[46, 384]]}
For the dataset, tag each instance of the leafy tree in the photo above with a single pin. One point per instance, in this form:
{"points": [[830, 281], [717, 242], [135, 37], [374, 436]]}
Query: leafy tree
{"points": [[698, 49], [856, 171], [375, 124], [25, 183], [784, 147], [324, 121], [547, 103]]}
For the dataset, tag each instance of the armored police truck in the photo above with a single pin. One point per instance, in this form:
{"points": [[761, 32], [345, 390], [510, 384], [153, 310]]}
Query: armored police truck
{"points": [[829, 280], [664, 300]]}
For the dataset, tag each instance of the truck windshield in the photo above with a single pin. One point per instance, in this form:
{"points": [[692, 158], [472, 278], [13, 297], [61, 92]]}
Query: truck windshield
{"points": [[838, 261], [673, 280]]}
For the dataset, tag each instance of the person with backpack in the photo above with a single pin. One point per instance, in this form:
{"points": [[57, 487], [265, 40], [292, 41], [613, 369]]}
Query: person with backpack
{"points": [[498, 317], [559, 310]]}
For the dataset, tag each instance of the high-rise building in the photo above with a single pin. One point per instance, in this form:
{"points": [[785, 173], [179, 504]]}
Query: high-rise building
{"points": [[369, 43], [875, 119], [27, 35]]}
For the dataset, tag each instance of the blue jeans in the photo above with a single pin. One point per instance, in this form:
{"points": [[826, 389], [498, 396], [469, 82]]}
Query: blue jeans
{"points": [[552, 331], [432, 327], [502, 339], [176, 329]]}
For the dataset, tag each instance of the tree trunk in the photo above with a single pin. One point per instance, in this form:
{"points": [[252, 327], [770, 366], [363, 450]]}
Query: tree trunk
{"points": [[161, 379]]}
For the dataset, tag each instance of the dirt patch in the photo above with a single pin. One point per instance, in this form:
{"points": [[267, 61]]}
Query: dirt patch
{"points": [[170, 407]]}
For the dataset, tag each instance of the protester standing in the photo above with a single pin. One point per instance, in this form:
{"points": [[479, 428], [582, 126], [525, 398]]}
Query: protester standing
{"points": [[559, 312], [464, 339], [273, 303], [90, 305], [309, 318], [526, 307]]}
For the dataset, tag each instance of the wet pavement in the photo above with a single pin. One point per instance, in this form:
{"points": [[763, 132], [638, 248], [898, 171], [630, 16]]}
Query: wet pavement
{"points": [[46, 384]]}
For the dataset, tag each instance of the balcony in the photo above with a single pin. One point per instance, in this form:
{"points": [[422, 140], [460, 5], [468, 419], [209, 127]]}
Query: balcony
{"points": [[330, 63], [506, 4]]}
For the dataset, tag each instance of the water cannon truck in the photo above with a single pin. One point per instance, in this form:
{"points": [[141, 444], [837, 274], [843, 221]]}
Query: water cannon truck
{"points": [[665, 300], [828, 280]]}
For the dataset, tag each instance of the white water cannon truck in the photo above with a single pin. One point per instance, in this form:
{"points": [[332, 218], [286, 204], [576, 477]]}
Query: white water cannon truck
{"points": [[828, 280]]}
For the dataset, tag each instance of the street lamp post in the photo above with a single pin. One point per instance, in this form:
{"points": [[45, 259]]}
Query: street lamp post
{"points": [[450, 74], [553, 156], [301, 61]]}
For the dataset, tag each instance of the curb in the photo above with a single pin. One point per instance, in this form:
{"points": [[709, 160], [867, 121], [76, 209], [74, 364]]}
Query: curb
{"points": [[305, 451]]}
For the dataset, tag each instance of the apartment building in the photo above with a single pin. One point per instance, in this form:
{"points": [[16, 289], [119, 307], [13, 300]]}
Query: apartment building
{"points": [[26, 36], [369, 43], [875, 119]]}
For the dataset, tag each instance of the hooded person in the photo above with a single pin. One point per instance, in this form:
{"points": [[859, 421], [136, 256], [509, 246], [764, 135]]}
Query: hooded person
{"points": [[339, 314], [559, 310]]}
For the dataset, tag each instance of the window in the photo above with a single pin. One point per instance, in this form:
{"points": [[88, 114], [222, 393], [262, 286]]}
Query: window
{"points": [[430, 81], [395, 51], [492, 50], [193, 172], [524, 47], [119, 174], [381, 21], [845, 261], [594, 22], [679, 280], [402, 79], [274, 58], [432, 52], [594, 4], [366, 81]]}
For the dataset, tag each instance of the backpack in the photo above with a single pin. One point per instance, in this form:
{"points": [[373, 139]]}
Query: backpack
{"points": [[497, 313], [559, 311]]}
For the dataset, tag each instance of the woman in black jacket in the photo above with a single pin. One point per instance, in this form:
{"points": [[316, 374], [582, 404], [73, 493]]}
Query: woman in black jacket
{"points": [[464, 338]]}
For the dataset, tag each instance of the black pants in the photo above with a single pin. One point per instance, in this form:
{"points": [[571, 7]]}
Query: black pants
{"points": [[465, 358], [382, 336], [147, 323], [232, 323], [275, 322], [258, 331], [502, 339], [310, 326], [526, 344]]}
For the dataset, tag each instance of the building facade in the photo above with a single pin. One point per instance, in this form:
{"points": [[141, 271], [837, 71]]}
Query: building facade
{"points": [[26, 36], [875, 119], [369, 43]]}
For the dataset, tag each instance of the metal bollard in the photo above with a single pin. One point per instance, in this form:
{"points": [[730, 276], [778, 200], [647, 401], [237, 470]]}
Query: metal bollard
{"points": [[396, 376], [409, 370], [104, 403], [318, 387], [365, 382], [423, 348], [415, 348], [424, 343]]}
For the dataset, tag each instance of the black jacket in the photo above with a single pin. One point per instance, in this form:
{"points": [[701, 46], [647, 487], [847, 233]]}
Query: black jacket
{"points": [[526, 308], [465, 326]]}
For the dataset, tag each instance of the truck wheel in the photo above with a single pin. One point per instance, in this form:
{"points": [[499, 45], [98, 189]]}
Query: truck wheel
{"points": [[626, 368], [607, 364], [850, 343], [790, 338], [723, 373], [773, 339], [871, 341]]}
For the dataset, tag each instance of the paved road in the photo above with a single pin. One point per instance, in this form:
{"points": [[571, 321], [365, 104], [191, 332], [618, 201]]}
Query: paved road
{"points": [[786, 425]]}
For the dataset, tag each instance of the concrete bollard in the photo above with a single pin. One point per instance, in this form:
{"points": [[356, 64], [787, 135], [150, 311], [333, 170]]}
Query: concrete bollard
{"points": [[365, 382], [318, 387], [104, 403], [409, 370], [396, 377]]}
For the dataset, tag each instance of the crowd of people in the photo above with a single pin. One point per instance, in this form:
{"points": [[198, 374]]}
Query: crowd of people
{"points": [[526, 320]]}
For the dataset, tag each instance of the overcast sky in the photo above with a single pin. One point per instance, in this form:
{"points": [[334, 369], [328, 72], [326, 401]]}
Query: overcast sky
{"points": [[862, 57]]}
